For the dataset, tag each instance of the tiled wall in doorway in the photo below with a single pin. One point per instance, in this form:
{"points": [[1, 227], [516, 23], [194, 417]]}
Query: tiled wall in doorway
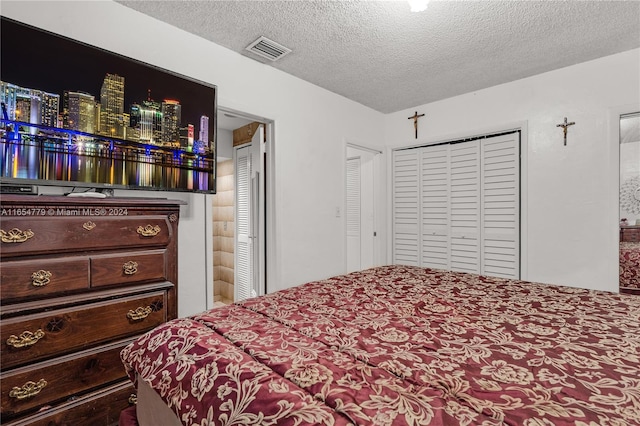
{"points": [[223, 233]]}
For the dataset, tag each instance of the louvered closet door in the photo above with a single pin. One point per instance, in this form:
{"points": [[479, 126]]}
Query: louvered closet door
{"points": [[501, 206], [244, 247], [406, 208], [353, 214], [434, 200], [465, 206], [462, 211]]}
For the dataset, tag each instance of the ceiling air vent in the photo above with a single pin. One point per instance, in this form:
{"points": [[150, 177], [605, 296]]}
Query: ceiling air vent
{"points": [[268, 49]]}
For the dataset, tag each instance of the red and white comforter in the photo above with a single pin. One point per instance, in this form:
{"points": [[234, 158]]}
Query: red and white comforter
{"points": [[402, 345], [630, 265]]}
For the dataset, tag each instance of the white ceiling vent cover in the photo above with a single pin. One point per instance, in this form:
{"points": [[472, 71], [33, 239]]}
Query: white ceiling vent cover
{"points": [[268, 49]]}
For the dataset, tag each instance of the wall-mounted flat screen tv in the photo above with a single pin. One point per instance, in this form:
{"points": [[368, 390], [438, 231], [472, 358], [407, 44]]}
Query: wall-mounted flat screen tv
{"points": [[76, 115]]}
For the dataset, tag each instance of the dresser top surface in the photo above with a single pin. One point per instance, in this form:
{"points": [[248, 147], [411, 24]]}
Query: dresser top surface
{"points": [[63, 200]]}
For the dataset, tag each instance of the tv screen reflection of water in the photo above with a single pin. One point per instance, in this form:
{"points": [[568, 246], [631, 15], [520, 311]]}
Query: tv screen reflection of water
{"points": [[75, 115]]}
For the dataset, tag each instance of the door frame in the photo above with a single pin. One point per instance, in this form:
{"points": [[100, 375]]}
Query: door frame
{"points": [[523, 126], [614, 184], [267, 263], [255, 224], [378, 225]]}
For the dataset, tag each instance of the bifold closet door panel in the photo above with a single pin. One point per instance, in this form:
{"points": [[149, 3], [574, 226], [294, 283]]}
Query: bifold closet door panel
{"points": [[465, 206], [434, 204], [501, 206], [406, 207]]}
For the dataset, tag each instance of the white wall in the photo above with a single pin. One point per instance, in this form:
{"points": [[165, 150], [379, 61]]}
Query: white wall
{"points": [[311, 125], [569, 221], [224, 144]]}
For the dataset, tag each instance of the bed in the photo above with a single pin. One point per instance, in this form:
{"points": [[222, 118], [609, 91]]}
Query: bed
{"points": [[398, 345], [630, 266]]}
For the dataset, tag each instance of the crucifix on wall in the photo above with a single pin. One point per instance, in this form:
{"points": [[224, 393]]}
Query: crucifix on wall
{"points": [[415, 121], [565, 126]]}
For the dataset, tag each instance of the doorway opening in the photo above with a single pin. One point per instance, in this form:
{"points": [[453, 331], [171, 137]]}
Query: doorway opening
{"points": [[362, 242], [240, 207], [629, 210]]}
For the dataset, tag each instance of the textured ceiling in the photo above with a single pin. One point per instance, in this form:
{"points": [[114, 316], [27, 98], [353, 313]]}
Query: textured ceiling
{"points": [[381, 55]]}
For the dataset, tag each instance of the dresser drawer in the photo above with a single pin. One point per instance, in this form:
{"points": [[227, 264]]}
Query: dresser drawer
{"points": [[43, 277], [128, 268], [38, 235], [631, 235], [36, 337], [45, 383], [100, 408]]}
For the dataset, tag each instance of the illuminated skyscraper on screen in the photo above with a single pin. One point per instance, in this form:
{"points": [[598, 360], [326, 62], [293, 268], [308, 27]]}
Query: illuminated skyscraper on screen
{"points": [[149, 122], [112, 106], [49, 109], [79, 111], [204, 129], [171, 116]]}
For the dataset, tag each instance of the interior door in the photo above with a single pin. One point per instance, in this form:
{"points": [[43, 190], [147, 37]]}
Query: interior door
{"points": [[353, 214], [360, 209], [249, 218]]}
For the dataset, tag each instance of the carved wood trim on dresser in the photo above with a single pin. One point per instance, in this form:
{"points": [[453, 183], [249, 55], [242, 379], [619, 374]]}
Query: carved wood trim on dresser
{"points": [[79, 279]]}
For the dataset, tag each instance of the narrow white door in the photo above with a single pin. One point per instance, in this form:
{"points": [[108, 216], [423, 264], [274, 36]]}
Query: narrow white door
{"points": [[360, 208], [353, 214], [367, 209], [249, 280], [243, 250]]}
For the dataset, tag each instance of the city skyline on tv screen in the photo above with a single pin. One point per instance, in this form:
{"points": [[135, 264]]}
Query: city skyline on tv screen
{"points": [[54, 88]]}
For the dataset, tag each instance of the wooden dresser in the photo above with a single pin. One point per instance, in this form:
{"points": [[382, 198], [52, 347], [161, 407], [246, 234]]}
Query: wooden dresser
{"points": [[630, 233], [80, 278]]}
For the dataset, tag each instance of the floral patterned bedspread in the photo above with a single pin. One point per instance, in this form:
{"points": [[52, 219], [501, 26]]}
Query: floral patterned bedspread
{"points": [[400, 345], [630, 265]]}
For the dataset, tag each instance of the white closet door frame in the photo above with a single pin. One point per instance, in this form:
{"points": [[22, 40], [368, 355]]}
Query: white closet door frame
{"points": [[478, 180]]}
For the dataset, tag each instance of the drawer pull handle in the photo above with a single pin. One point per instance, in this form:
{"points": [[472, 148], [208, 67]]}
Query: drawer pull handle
{"points": [[27, 390], [25, 339], [15, 235], [139, 313], [148, 231], [130, 267], [40, 278], [133, 399], [88, 225]]}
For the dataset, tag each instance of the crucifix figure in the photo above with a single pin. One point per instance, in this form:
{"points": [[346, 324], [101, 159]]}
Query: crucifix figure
{"points": [[564, 126], [415, 121]]}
